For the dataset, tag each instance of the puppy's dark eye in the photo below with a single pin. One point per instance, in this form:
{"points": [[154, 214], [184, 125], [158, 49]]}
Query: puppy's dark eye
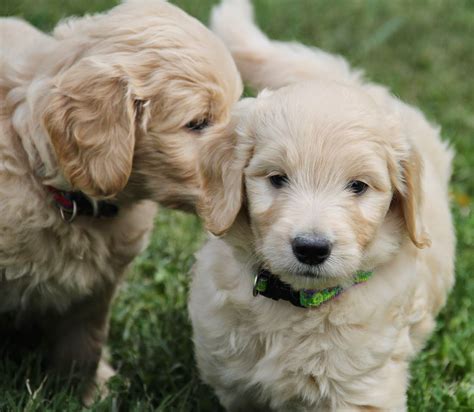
{"points": [[278, 181], [357, 187], [197, 125]]}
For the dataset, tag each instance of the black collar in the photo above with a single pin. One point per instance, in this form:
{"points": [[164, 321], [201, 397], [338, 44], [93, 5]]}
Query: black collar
{"points": [[73, 204], [270, 286]]}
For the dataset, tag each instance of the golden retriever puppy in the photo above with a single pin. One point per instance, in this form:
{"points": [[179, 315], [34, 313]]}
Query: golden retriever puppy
{"points": [[98, 120], [337, 245]]}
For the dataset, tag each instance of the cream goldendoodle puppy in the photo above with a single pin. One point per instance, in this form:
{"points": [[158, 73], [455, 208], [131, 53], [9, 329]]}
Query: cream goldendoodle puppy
{"points": [[333, 264], [109, 112]]}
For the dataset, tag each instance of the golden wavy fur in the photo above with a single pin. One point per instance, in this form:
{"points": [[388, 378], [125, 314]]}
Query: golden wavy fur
{"points": [[321, 129], [108, 105]]}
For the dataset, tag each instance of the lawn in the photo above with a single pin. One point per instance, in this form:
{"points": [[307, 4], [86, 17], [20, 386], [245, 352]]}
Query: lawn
{"points": [[424, 51]]}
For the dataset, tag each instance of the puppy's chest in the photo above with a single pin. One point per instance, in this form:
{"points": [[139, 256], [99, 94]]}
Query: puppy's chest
{"points": [[312, 350], [43, 267]]}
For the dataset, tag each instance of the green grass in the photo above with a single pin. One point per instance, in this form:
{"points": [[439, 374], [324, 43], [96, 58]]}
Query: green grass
{"points": [[424, 51]]}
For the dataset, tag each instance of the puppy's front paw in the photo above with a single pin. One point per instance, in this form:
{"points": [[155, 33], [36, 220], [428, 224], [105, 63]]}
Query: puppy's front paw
{"points": [[97, 389]]}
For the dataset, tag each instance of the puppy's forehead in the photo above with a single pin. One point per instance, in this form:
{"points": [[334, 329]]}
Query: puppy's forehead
{"points": [[309, 119]]}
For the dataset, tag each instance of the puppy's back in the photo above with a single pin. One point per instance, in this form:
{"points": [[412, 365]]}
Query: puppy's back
{"points": [[21, 48]]}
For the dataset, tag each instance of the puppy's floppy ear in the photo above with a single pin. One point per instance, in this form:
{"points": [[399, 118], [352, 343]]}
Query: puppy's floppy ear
{"points": [[224, 157], [406, 174], [90, 118]]}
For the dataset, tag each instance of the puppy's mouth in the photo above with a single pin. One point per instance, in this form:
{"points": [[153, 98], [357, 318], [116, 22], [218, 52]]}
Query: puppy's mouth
{"points": [[313, 273], [305, 271], [300, 277]]}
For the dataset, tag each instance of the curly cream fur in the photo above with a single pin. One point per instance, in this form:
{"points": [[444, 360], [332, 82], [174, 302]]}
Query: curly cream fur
{"points": [[101, 106], [323, 127]]}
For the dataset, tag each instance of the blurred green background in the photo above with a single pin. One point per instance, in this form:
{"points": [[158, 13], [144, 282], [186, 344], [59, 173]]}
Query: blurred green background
{"points": [[424, 51]]}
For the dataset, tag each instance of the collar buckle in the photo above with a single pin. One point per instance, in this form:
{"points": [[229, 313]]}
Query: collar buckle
{"points": [[255, 281], [68, 215], [260, 283]]}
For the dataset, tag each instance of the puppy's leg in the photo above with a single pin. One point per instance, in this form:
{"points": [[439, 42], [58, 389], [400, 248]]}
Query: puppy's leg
{"points": [[238, 401], [382, 389], [271, 64], [77, 338]]}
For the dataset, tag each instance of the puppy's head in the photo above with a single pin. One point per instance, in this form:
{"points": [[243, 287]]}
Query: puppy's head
{"points": [[137, 90], [330, 184]]}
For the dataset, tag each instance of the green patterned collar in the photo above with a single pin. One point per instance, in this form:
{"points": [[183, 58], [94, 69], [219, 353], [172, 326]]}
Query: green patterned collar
{"points": [[270, 286]]}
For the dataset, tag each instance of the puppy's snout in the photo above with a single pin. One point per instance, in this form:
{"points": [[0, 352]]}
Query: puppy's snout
{"points": [[311, 249]]}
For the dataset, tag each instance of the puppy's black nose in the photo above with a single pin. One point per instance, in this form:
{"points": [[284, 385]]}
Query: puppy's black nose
{"points": [[311, 249]]}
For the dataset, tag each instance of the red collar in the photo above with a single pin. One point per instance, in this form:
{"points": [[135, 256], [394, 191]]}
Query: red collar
{"points": [[73, 204]]}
